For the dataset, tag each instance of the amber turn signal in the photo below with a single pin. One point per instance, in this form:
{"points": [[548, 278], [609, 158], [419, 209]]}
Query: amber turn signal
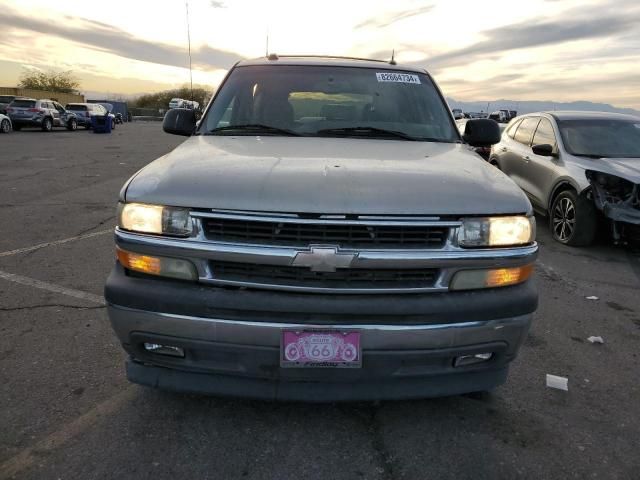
{"points": [[162, 266], [501, 277]]}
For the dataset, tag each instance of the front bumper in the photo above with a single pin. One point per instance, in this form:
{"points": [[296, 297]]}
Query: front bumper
{"points": [[408, 345]]}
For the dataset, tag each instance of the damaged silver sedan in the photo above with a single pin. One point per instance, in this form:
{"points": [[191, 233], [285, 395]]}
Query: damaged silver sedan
{"points": [[577, 168]]}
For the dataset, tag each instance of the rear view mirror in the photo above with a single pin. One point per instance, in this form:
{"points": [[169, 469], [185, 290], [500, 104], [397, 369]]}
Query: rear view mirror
{"points": [[179, 121], [544, 150], [481, 132]]}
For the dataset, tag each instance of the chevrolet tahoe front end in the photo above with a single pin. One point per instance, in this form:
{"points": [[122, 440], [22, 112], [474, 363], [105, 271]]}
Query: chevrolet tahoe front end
{"points": [[354, 264]]}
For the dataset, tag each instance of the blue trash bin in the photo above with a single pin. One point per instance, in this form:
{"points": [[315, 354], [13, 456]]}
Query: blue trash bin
{"points": [[101, 123]]}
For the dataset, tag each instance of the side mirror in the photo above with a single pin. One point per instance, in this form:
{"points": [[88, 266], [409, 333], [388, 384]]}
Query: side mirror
{"points": [[481, 132], [544, 150], [179, 121]]}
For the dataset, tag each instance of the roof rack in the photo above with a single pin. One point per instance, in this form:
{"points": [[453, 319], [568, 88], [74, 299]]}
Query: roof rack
{"points": [[274, 56]]}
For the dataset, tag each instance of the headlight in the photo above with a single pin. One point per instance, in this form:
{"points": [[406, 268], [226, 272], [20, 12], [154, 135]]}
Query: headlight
{"points": [[143, 218], [497, 231]]}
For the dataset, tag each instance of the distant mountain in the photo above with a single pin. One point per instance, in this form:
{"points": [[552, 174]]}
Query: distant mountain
{"points": [[526, 106]]}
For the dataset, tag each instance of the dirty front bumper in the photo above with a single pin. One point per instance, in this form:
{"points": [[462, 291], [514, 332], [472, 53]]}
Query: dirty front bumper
{"points": [[231, 339]]}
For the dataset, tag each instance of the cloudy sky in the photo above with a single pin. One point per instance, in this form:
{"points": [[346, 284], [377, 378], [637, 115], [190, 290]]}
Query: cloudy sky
{"points": [[559, 50]]}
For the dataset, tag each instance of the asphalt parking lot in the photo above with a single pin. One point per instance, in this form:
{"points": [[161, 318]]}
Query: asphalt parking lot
{"points": [[67, 412]]}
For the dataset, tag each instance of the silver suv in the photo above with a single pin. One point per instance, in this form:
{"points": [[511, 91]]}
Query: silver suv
{"points": [[577, 167], [324, 234], [45, 114]]}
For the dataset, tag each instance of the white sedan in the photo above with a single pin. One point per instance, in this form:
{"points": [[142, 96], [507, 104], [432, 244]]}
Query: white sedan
{"points": [[5, 124]]}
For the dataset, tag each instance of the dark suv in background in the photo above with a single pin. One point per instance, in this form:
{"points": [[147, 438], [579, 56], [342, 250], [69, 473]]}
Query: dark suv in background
{"points": [[85, 111], [43, 113]]}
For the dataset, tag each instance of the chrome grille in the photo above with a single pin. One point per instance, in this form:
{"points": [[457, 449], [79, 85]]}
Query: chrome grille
{"points": [[343, 234], [348, 278]]}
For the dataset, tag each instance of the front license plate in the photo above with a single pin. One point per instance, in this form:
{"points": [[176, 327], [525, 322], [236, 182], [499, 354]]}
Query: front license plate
{"points": [[320, 349]]}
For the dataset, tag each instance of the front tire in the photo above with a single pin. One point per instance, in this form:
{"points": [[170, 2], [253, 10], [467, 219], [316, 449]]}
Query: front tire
{"points": [[72, 125], [573, 219], [5, 126], [47, 125]]}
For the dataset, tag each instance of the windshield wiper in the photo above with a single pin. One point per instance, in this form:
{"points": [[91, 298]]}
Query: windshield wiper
{"points": [[365, 131], [588, 155], [255, 128]]}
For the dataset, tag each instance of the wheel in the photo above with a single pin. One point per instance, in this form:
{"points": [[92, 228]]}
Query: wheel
{"points": [[5, 126], [72, 125], [113, 124], [573, 219], [47, 125]]}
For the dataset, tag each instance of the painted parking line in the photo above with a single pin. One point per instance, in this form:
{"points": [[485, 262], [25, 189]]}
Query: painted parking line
{"points": [[52, 287], [28, 457], [55, 242]]}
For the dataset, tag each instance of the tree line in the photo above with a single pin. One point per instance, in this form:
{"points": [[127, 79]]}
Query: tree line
{"points": [[66, 82]]}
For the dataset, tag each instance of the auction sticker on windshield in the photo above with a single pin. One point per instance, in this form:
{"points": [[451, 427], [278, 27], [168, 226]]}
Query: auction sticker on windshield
{"points": [[397, 77], [320, 348]]}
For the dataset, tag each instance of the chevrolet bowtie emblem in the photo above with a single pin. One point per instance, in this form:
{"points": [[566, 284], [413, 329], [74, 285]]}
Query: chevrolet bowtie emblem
{"points": [[323, 259]]}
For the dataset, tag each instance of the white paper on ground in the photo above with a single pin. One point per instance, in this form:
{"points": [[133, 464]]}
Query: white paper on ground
{"points": [[593, 297], [560, 383], [595, 339]]}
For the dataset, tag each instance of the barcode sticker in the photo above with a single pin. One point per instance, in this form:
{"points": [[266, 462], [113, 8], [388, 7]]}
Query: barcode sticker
{"points": [[397, 77]]}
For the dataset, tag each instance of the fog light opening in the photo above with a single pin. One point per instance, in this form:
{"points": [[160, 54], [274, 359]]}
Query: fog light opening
{"points": [[464, 360], [168, 350]]}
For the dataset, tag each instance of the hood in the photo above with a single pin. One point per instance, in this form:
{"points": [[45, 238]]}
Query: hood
{"points": [[627, 168], [327, 175]]}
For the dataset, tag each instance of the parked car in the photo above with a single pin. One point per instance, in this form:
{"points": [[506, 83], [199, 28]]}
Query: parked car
{"points": [[5, 124], [175, 103], [43, 113], [499, 116], [5, 100], [324, 234], [576, 167], [85, 111], [457, 113]]}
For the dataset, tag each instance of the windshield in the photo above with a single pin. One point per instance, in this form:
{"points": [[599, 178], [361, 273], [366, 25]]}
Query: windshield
{"points": [[331, 101], [601, 137], [79, 108], [6, 98]]}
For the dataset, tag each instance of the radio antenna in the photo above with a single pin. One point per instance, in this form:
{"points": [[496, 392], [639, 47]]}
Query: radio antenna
{"points": [[393, 57], [189, 43], [266, 54]]}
